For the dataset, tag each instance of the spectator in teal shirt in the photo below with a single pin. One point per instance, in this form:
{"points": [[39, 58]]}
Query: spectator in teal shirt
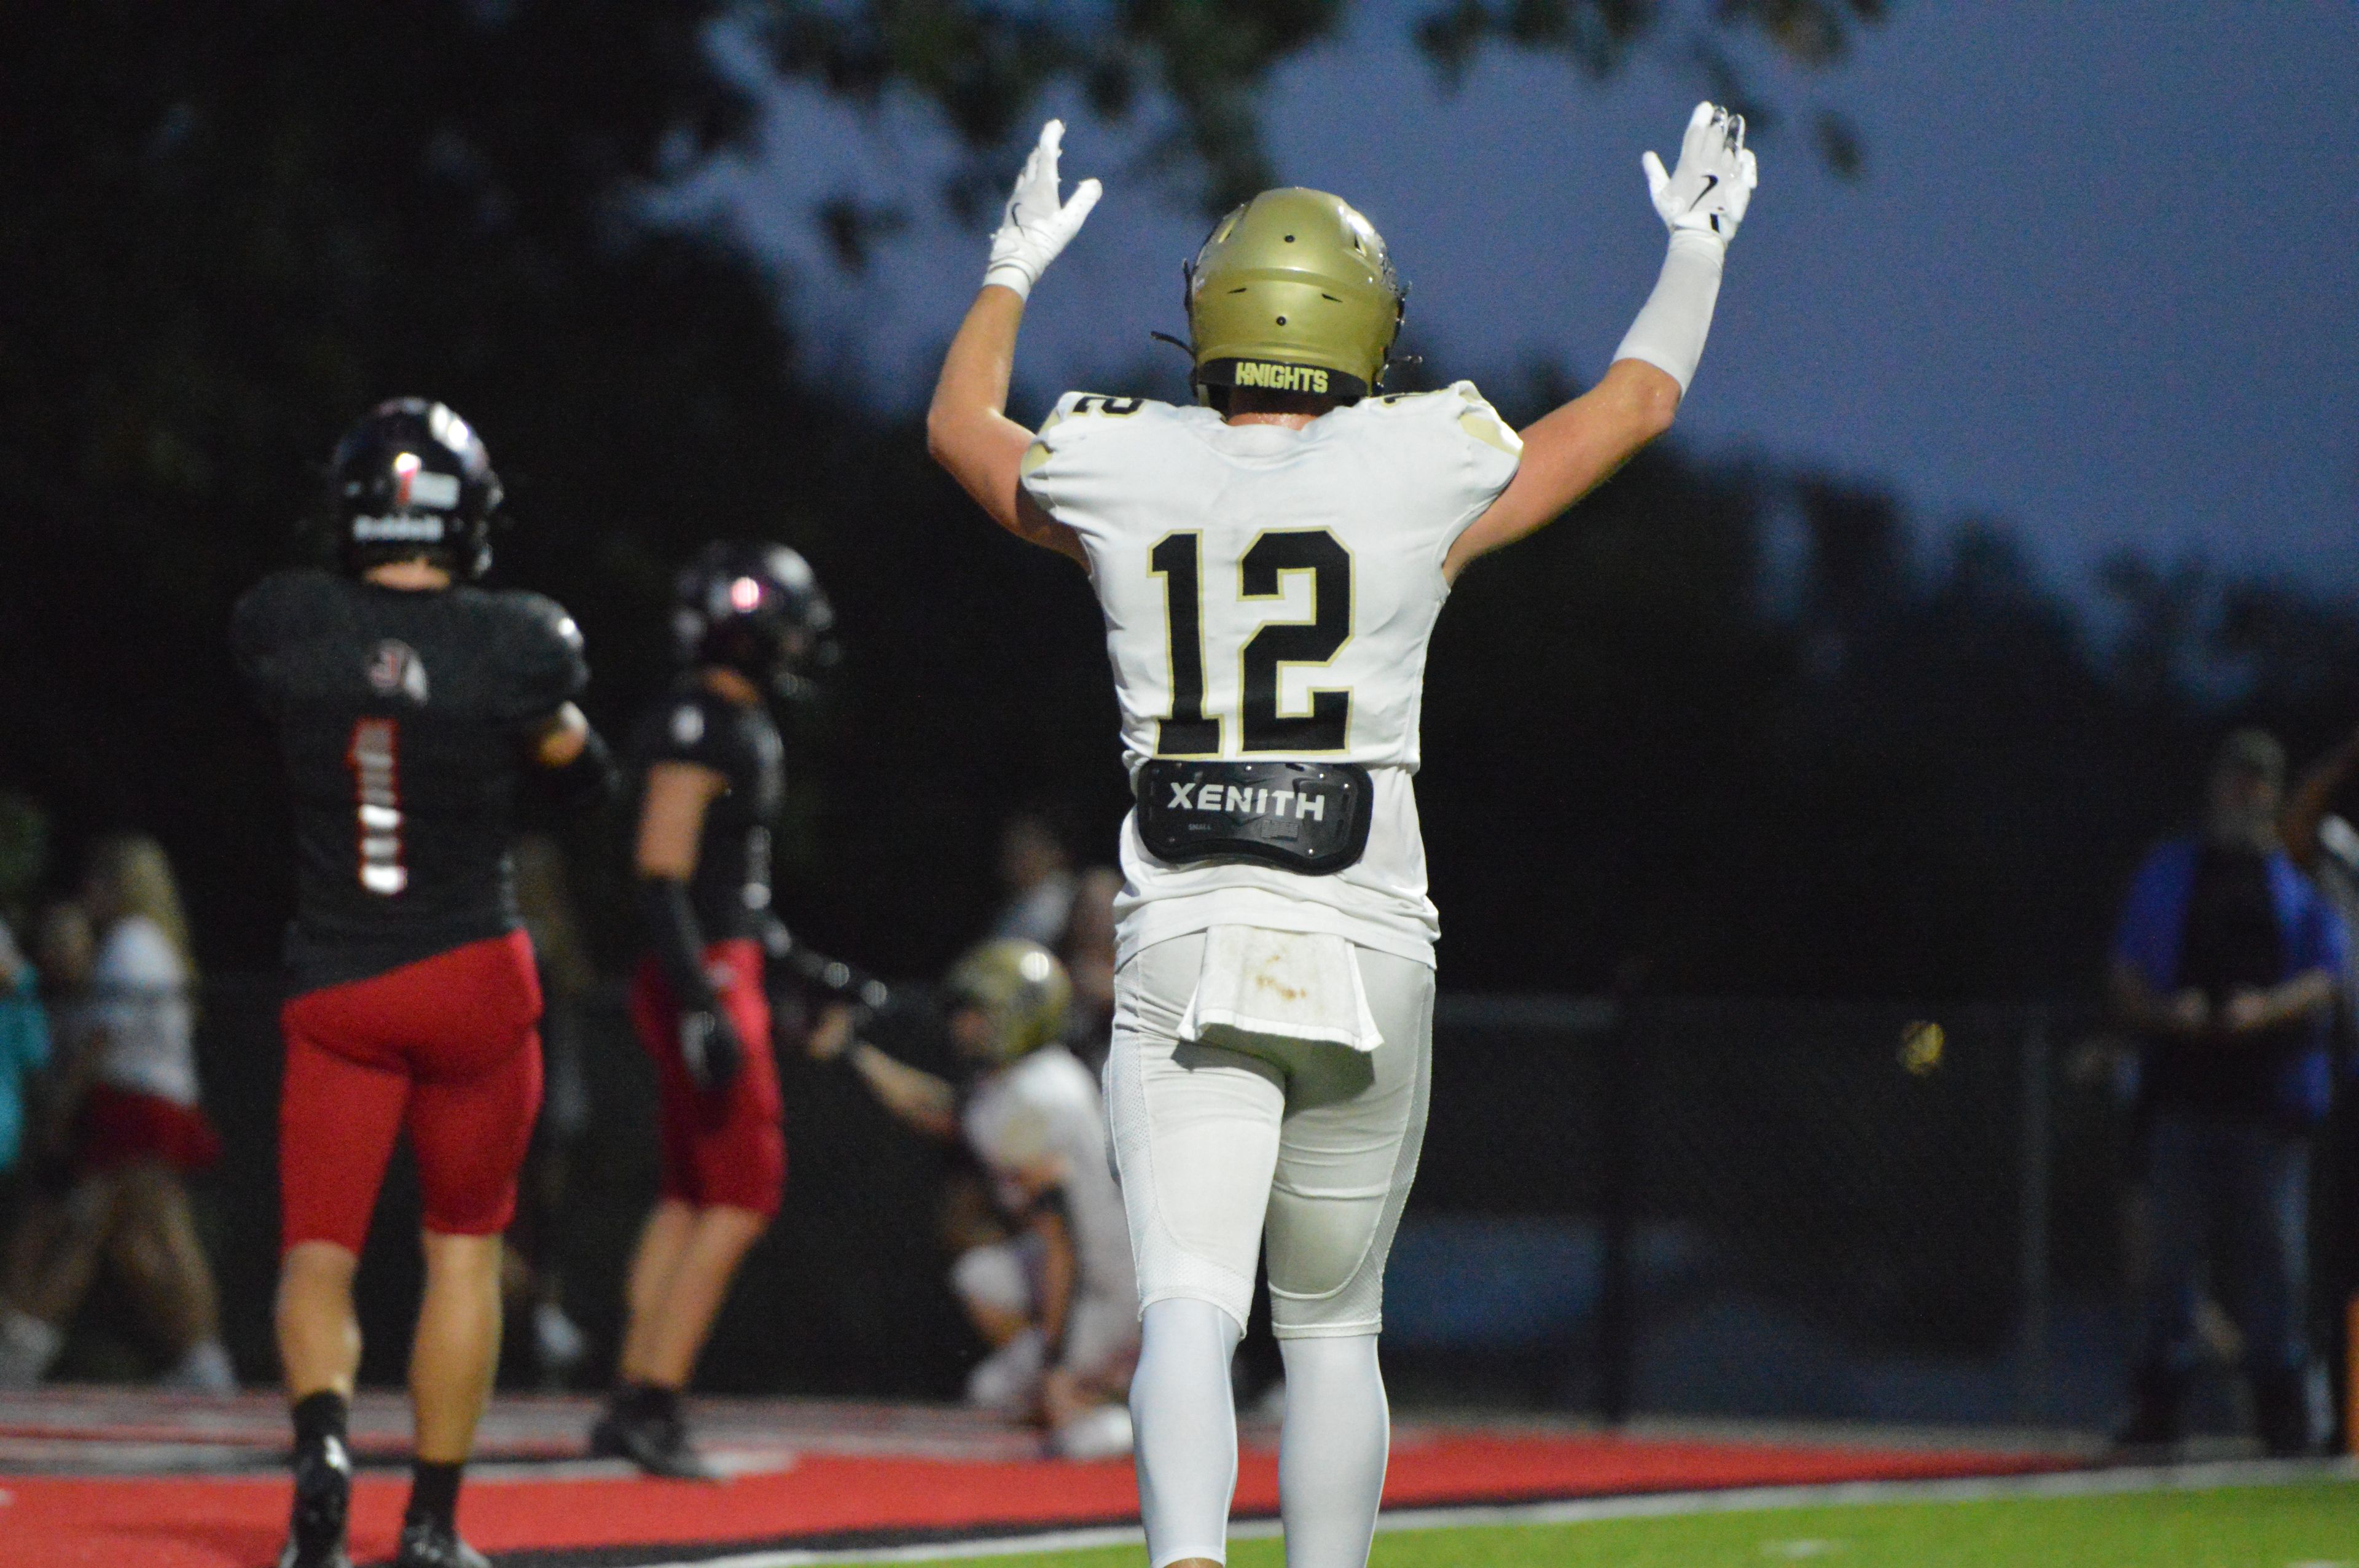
{"points": [[23, 1027], [24, 1045]]}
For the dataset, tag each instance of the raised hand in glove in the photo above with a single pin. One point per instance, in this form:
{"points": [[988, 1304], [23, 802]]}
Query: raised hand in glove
{"points": [[709, 1049], [1036, 224], [1714, 184]]}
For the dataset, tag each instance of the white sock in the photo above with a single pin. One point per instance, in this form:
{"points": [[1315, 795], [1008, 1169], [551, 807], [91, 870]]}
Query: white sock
{"points": [[1331, 1452], [27, 1346], [1009, 1380], [1186, 1422]]}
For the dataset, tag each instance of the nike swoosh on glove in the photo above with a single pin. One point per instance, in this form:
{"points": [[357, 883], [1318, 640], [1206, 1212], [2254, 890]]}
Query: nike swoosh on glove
{"points": [[1034, 225], [1712, 185]]}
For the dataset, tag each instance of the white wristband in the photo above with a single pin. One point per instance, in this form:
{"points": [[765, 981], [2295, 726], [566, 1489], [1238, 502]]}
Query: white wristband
{"points": [[1011, 275], [1669, 331]]}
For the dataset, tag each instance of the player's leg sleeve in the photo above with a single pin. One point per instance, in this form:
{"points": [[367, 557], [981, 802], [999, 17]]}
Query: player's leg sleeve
{"points": [[1195, 1135], [470, 1136], [1330, 1453], [1353, 1126], [1185, 1417], [337, 1121]]}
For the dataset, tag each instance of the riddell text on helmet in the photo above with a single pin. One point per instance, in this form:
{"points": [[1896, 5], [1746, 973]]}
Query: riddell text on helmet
{"points": [[1281, 378]]}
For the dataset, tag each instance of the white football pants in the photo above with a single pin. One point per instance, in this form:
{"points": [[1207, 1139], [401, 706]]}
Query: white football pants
{"points": [[1316, 1143]]}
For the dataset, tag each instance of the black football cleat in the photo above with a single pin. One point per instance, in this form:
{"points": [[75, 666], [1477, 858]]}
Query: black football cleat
{"points": [[657, 1445], [323, 1497], [431, 1543]]}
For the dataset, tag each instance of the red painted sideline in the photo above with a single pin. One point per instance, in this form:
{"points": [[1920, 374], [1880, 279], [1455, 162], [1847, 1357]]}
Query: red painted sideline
{"points": [[238, 1523]]}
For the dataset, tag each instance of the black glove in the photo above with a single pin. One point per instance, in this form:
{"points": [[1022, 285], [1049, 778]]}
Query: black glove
{"points": [[586, 783], [709, 1049]]}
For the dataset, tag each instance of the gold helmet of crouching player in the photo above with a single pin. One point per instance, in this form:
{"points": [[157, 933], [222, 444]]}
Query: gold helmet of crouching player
{"points": [[1021, 992], [1293, 292]]}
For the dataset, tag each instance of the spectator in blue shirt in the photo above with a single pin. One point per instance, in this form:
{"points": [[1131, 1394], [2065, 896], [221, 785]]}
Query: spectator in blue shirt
{"points": [[2226, 965]]}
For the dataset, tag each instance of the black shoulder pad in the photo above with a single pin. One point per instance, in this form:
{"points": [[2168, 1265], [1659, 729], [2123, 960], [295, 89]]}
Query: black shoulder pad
{"points": [[272, 614], [540, 648]]}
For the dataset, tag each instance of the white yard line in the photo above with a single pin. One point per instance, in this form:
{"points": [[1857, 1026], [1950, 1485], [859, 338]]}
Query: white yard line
{"points": [[2203, 1477]]}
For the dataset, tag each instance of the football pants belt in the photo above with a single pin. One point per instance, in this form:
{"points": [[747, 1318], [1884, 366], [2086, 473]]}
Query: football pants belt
{"points": [[1310, 817]]}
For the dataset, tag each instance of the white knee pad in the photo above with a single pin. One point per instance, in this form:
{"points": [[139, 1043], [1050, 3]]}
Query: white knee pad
{"points": [[1319, 1248]]}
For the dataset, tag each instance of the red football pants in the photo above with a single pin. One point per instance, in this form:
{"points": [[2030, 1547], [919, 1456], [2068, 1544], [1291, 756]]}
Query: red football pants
{"points": [[449, 1047], [730, 1148]]}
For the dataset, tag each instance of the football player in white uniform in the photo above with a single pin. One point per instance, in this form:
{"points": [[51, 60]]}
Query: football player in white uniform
{"points": [[1270, 563], [1057, 1300]]}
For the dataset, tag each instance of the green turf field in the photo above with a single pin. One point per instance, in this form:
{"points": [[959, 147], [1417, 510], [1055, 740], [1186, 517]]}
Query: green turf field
{"points": [[2306, 1525]]}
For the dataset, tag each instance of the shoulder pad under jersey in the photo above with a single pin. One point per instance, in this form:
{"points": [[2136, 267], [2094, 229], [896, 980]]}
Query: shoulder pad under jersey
{"points": [[539, 649], [1458, 405], [280, 609]]}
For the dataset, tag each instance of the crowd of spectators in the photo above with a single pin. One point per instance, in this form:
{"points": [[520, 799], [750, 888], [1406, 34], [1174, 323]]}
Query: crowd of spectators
{"points": [[100, 1100], [102, 1120]]}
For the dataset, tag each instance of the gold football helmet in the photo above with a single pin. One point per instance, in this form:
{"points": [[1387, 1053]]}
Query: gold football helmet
{"points": [[1019, 988], [1294, 292]]}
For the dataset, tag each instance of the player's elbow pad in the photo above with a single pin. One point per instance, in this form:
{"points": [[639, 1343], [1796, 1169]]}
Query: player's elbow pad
{"points": [[670, 923], [587, 782]]}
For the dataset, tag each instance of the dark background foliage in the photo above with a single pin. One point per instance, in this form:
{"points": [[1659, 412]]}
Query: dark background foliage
{"points": [[1726, 729]]}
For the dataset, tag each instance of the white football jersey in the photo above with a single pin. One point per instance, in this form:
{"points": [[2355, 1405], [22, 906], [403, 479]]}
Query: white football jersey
{"points": [[1269, 593], [1044, 1108]]}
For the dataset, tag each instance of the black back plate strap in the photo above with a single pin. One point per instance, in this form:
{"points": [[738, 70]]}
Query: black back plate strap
{"points": [[1310, 817]]}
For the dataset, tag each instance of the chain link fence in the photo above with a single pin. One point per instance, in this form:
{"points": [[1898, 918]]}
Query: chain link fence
{"points": [[1744, 1208]]}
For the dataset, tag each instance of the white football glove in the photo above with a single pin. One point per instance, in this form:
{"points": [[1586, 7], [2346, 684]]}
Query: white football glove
{"points": [[1036, 225], [1712, 185]]}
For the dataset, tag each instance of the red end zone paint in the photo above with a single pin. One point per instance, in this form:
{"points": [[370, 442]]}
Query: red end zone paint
{"points": [[239, 1522]]}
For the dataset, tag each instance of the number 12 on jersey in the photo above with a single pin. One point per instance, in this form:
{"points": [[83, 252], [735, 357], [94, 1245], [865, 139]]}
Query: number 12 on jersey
{"points": [[1177, 559]]}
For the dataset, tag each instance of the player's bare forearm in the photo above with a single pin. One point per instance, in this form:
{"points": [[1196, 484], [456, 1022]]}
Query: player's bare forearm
{"points": [[967, 427], [2304, 996], [1057, 1270], [1569, 453], [914, 1095], [671, 817]]}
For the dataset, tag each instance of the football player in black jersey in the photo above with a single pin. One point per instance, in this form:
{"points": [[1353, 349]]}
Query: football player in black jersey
{"points": [[411, 706], [748, 619]]}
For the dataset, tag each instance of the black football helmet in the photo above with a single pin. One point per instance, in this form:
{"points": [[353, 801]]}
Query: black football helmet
{"points": [[413, 479], [756, 609]]}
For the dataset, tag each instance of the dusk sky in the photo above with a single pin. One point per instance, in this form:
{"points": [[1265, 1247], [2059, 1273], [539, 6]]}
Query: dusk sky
{"points": [[2101, 279]]}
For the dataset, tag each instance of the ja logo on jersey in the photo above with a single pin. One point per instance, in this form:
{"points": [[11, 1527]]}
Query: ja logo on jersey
{"points": [[396, 670]]}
